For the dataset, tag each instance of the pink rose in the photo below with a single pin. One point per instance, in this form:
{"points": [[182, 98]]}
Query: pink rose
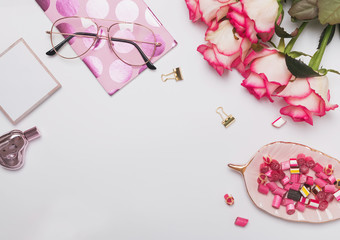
{"points": [[306, 97], [208, 10], [254, 17], [266, 72], [225, 49]]}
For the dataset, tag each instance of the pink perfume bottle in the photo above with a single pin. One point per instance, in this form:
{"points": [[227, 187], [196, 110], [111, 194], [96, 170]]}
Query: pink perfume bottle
{"points": [[13, 146]]}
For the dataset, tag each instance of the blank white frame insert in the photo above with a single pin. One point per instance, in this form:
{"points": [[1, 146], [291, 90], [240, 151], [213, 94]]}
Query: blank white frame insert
{"points": [[25, 82]]}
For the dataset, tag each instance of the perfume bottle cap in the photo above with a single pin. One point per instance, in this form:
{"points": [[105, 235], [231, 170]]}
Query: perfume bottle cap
{"points": [[32, 134]]}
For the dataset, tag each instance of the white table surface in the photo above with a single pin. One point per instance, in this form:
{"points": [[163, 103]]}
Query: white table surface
{"points": [[151, 161]]}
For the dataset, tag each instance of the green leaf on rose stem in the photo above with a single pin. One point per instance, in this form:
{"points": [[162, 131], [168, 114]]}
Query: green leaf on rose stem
{"points": [[296, 54], [324, 71], [329, 11], [299, 69], [323, 35], [304, 9], [280, 31]]}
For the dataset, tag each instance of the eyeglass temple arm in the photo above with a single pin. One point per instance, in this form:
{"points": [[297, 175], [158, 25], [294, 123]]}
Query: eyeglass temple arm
{"points": [[52, 51]]}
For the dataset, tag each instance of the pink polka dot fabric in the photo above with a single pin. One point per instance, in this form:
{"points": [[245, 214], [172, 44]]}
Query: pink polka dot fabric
{"points": [[111, 73]]}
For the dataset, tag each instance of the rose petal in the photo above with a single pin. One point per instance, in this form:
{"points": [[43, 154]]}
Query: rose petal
{"points": [[194, 12], [312, 102], [298, 114], [263, 12], [209, 55], [299, 88], [274, 67], [224, 38], [320, 87], [209, 9], [254, 55]]}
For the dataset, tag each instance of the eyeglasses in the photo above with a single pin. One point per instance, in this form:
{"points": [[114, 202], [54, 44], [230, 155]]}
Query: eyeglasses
{"points": [[133, 43]]}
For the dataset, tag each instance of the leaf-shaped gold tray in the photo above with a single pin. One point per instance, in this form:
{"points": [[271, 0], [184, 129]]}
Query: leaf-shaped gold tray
{"points": [[282, 151]]}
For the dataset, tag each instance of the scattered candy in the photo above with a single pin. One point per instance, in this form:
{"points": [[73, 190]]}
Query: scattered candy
{"points": [[290, 209], [317, 168], [321, 175], [310, 162], [329, 170], [310, 181], [300, 206], [301, 159], [295, 178], [279, 122], [285, 165], [264, 168], [304, 191], [279, 191], [267, 159], [241, 221], [295, 190], [229, 199], [277, 201], [284, 180], [295, 170], [331, 179], [313, 204], [294, 195], [337, 183], [321, 183], [329, 188], [262, 179], [272, 186], [293, 163], [286, 201], [304, 200], [337, 195], [304, 169], [316, 189], [263, 189], [329, 197], [323, 205], [275, 165]]}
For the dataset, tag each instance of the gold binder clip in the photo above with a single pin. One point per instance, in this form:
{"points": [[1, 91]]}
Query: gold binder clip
{"points": [[225, 121], [177, 75]]}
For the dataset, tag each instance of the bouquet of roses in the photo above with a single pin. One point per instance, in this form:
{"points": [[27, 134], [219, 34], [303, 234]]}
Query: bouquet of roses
{"points": [[239, 37]]}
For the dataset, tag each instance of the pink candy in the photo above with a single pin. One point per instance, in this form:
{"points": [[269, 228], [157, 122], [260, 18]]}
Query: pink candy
{"points": [[285, 180], [300, 206], [310, 181], [290, 209], [287, 201], [330, 188], [279, 191], [303, 179], [321, 183], [317, 168], [295, 186], [294, 178], [272, 186], [241, 221], [321, 175], [285, 165], [298, 183], [337, 195], [277, 201], [331, 179], [263, 189]]}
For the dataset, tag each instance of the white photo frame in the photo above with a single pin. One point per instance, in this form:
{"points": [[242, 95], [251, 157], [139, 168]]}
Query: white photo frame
{"points": [[25, 82]]}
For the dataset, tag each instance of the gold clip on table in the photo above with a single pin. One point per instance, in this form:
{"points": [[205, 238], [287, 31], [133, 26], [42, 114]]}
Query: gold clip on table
{"points": [[227, 120], [176, 75]]}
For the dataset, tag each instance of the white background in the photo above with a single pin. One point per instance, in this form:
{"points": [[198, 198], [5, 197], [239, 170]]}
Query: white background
{"points": [[151, 161]]}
